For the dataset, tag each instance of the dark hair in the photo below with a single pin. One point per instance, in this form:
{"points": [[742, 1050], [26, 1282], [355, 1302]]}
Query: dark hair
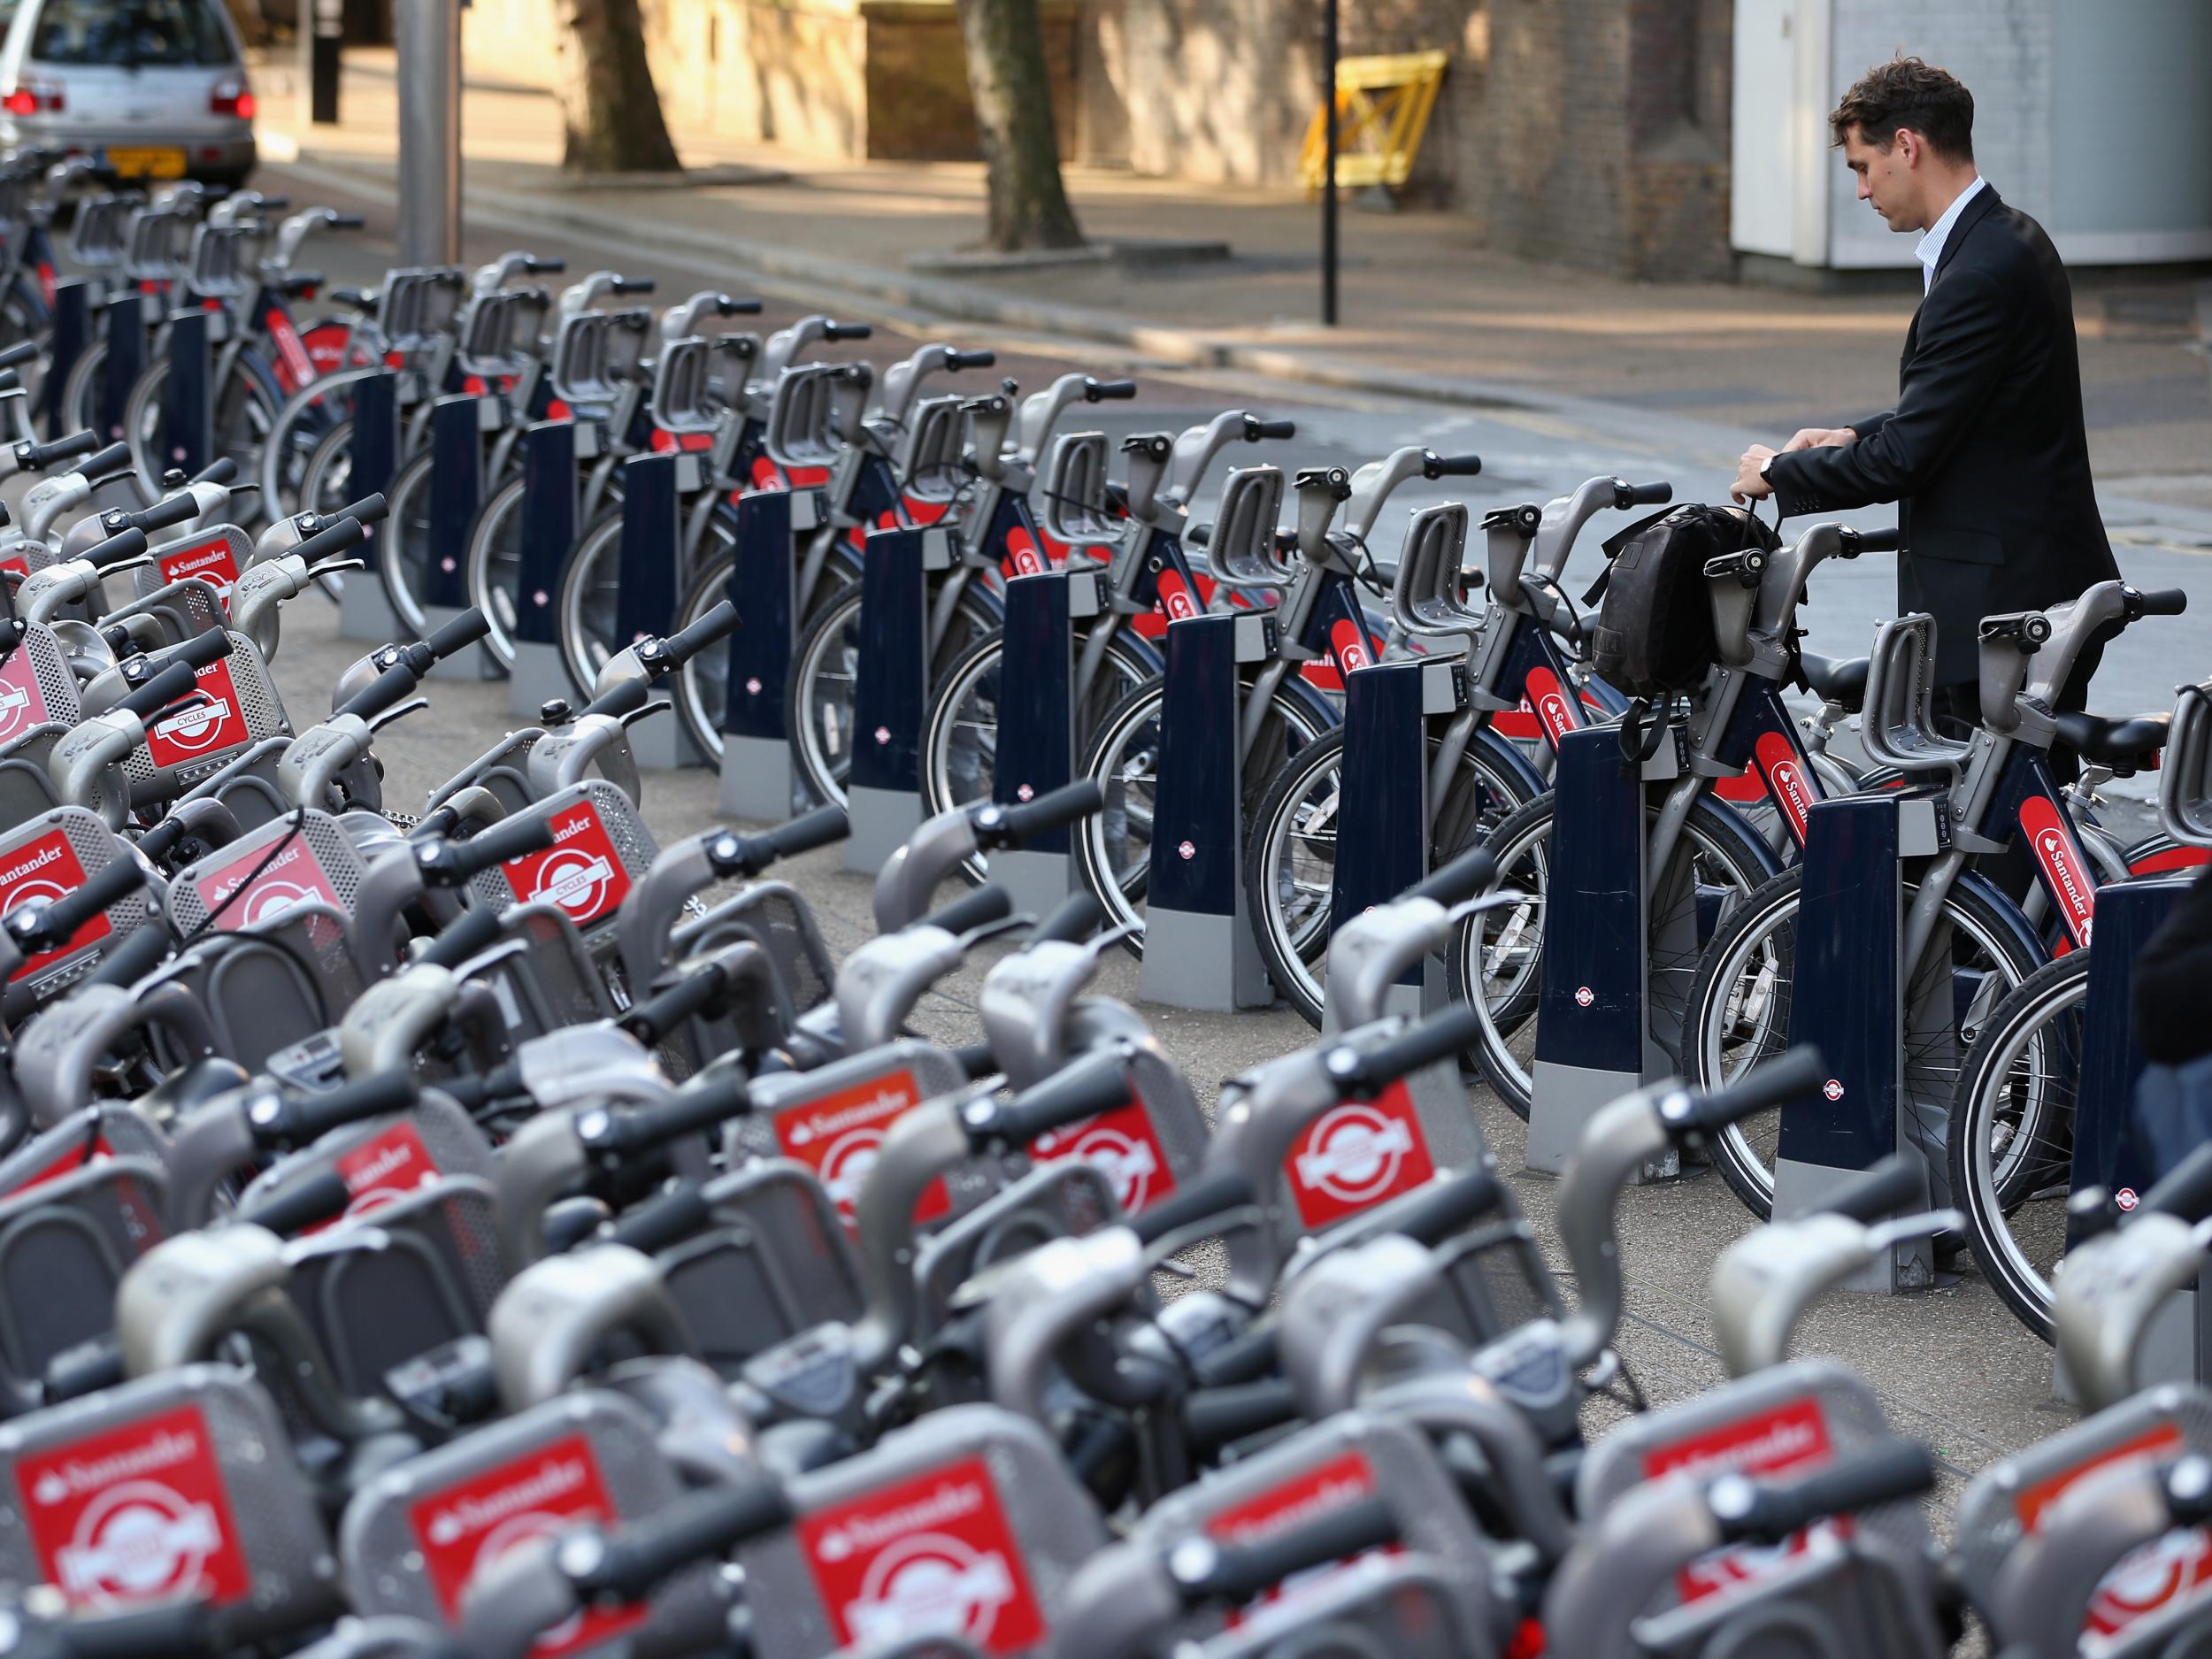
{"points": [[1906, 92]]}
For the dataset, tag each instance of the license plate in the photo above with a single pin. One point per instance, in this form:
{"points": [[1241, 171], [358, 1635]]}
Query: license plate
{"points": [[158, 163]]}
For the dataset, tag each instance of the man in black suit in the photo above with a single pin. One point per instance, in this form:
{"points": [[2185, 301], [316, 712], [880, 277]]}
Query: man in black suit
{"points": [[1984, 453]]}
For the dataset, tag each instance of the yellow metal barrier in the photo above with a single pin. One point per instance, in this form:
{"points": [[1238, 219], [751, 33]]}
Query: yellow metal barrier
{"points": [[1383, 106]]}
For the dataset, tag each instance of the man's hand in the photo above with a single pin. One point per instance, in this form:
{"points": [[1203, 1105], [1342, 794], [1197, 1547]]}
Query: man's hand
{"points": [[1749, 486], [1821, 438]]}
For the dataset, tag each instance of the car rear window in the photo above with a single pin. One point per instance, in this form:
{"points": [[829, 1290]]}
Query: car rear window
{"points": [[131, 33]]}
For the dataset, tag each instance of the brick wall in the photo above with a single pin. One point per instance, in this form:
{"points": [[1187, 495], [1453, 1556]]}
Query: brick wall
{"points": [[1590, 132]]}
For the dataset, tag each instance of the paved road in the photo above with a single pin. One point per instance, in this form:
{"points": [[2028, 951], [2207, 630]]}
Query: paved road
{"points": [[1952, 1366]]}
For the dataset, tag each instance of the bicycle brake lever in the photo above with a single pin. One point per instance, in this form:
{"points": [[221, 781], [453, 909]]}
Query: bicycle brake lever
{"points": [[378, 722]]}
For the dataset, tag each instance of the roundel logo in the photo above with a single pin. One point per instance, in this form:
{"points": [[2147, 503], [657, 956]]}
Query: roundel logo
{"points": [[930, 1583], [2147, 1581], [1832, 1089], [512, 1534], [846, 1163], [1129, 1165], [15, 709], [576, 880], [1175, 598], [1354, 1153], [195, 728], [2127, 1198], [271, 899], [1021, 553], [1584, 996], [135, 1542], [39, 888]]}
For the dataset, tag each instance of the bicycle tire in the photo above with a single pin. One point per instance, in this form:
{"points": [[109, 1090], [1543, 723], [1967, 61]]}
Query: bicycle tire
{"points": [[2037, 1014], [945, 783], [79, 409], [702, 684], [303, 421], [403, 558], [1739, 1152], [142, 417], [823, 753], [1486, 788], [1513, 935], [491, 570], [1117, 884]]}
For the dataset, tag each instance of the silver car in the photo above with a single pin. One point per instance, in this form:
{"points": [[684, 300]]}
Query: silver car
{"points": [[151, 89]]}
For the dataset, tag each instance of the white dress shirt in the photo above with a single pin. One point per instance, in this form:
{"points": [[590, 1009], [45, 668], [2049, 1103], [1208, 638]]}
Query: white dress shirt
{"points": [[1931, 248]]}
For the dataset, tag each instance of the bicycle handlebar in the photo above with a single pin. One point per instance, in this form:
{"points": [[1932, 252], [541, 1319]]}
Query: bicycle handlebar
{"points": [[1097, 1083], [652, 1020], [388, 690], [670, 1216], [627, 1564], [334, 538], [1444, 1207], [320, 1198], [509, 838], [979, 909], [458, 634], [1626, 494], [1774, 1083], [297, 1120], [1461, 878], [834, 332], [202, 650], [168, 511], [133, 960], [175, 680], [1210, 1195], [369, 510], [1078, 918], [679, 648], [1108, 391], [2162, 602], [1359, 1073], [1889, 1187], [692, 1109], [124, 545], [476, 931], [1434, 466], [1858, 541], [1258, 431], [344, 221], [1238, 1573], [632, 285], [106, 463], [49, 926], [222, 469], [38, 458], [627, 697], [1768, 1513], [21, 351], [1054, 809], [985, 359]]}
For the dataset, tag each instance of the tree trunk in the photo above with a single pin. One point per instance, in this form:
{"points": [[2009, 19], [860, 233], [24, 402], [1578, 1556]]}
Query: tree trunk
{"points": [[611, 115], [1013, 118]]}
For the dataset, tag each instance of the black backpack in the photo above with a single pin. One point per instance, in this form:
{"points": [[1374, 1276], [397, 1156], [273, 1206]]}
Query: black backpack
{"points": [[1655, 633]]}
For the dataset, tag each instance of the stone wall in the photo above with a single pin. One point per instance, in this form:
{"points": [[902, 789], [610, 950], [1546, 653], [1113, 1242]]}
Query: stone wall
{"points": [[1593, 132]]}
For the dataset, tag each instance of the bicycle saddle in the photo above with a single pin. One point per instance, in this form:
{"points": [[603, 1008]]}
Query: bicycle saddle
{"points": [[2123, 745], [1840, 680]]}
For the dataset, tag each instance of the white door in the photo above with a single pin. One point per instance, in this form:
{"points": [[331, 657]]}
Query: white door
{"points": [[1763, 126]]}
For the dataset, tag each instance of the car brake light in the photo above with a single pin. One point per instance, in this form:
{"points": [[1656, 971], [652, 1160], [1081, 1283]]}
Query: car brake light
{"points": [[32, 98], [232, 98]]}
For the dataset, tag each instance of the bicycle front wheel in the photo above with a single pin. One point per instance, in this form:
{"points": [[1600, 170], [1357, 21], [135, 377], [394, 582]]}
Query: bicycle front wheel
{"points": [[1740, 1007], [1114, 848], [403, 554], [1496, 958], [2011, 1148], [1291, 851]]}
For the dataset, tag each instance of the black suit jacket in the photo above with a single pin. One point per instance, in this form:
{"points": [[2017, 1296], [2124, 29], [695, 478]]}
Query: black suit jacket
{"points": [[1984, 453]]}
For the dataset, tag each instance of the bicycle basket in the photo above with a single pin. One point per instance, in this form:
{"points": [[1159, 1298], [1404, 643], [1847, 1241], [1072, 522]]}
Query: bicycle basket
{"points": [[931, 463], [1429, 595], [270, 983], [1897, 726], [774, 1261], [181, 1484], [799, 429], [416, 1537], [1242, 548], [214, 557], [2185, 778], [1076, 509], [64, 1246], [302, 858], [776, 917], [54, 854]]}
